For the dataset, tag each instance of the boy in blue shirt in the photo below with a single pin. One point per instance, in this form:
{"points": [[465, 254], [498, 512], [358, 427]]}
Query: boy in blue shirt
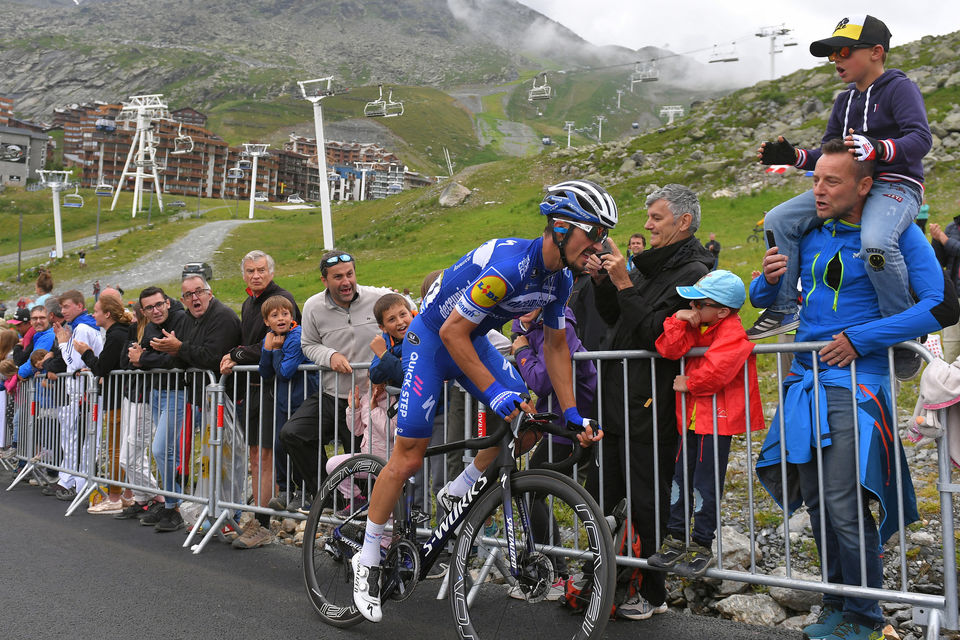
{"points": [[281, 356], [394, 316], [881, 117]]}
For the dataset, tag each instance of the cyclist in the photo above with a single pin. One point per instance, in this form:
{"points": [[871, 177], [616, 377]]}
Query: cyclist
{"points": [[500, 280]]}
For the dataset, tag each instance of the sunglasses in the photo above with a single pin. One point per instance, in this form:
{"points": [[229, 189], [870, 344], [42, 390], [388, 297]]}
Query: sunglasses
{"points": [[595, 233], [700, 304], [326, 263], [845, 52]]}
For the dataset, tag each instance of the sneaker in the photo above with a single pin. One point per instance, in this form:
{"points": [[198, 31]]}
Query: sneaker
{"points": [[555, 592], [170, 520], [695, 561], [106, 507], [366, 589], [906, 364], [771, 323], [359, 504], [51, 489], [151, 516], [669, 554], [135, 510], [253, 537], [637, 608], [285, 501], [853, 631], [827, 620], [67, 495], [445, 500]]}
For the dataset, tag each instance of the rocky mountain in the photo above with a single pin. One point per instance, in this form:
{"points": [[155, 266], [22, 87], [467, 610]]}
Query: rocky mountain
{"points": [[54, 52]]}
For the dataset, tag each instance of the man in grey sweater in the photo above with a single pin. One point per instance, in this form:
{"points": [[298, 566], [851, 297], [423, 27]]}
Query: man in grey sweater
{"points": [[338, 325]]}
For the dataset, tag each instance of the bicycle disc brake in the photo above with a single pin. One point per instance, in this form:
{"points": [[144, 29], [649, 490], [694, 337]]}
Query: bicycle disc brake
{"points": [[401, 570], [536, 576]]}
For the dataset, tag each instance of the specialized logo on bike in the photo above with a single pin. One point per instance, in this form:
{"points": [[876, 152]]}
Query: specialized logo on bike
{"points": [[488, 291], [455, 513]]}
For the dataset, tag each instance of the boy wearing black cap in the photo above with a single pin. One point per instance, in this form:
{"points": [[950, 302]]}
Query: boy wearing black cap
{"points": [[711, 409], [882, 118]]}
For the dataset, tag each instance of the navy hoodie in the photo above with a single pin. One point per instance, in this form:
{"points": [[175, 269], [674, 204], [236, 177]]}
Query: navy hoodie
{"points": [[891, 111]]}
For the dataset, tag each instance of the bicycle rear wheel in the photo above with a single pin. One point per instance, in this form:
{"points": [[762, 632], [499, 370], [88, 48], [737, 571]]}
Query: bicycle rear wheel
{"points": [[565, 587], [334, 533]]}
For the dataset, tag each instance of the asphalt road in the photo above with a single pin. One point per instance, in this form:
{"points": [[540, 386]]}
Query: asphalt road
{"points": [[95, 577]]}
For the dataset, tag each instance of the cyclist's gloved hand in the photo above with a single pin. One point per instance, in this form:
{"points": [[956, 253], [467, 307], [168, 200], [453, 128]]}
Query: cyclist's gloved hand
{"points": [[502, 400], [867, 148], [576, 422], [779, 152]]}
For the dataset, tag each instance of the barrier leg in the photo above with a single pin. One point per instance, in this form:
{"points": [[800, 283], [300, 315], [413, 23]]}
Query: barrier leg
{"points": [[197, 526], [214, 530], [23, 474], [933, 624]]}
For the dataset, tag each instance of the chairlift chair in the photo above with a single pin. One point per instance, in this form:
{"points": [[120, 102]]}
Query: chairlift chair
{"points": [[789, 41], [392, 108], [103, 189], [73, 200], [244, 165], [182, 143], [376, 108], [234, 173], [541, 91], [724, 54]]}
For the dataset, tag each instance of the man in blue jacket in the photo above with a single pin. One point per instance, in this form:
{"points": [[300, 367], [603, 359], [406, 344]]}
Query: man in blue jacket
{"points": [[840, 307]]}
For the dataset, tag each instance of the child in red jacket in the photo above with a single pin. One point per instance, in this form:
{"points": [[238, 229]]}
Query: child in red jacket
{"points": [[717, 376]]}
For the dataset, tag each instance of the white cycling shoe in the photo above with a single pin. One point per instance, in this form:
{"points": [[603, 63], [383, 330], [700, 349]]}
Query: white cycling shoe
{"points": [[366, 589]]}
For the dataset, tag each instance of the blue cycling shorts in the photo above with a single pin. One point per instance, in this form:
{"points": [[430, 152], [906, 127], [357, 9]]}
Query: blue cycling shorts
{"points": [[427, 365]]}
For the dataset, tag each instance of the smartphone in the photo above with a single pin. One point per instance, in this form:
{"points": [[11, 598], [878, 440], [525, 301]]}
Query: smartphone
{"points": [[600, 257], [771, 242]]}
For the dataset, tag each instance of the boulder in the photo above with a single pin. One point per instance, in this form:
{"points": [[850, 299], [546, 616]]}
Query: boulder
{"points": [[628, 165], [795, 599], [953, 80], [758, 609], [736, 546], [453, 194]]}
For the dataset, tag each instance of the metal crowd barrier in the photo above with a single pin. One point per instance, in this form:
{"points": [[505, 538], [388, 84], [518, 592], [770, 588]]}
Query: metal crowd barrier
{"points": [[215, 479]]}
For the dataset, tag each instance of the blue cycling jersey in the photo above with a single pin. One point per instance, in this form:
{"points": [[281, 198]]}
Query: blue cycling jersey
{"points": [[498, 281]]}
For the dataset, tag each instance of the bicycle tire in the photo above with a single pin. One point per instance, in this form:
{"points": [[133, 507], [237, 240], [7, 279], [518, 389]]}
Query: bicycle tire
{"points": [[480, 594], [334, 532], [753, 238]]}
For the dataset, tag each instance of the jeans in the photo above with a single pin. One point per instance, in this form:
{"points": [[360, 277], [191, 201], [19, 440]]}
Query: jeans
{"points": [[840, 488], [167, 411], [701, 491], [888, 211]]}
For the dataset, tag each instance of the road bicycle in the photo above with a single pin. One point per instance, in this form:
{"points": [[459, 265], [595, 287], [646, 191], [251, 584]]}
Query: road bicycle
{"points": [[532, 550]]}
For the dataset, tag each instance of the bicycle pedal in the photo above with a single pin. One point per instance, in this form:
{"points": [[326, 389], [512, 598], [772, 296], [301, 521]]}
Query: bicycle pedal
{"points": [[419, 517]]}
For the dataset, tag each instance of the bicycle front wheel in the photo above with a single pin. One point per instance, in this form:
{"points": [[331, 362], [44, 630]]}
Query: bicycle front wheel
{"points": [[563, 581], [333, 534]]}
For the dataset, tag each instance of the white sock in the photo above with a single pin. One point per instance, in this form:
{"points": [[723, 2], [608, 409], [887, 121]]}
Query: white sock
{"points": [[465, 480], [370, 554]]}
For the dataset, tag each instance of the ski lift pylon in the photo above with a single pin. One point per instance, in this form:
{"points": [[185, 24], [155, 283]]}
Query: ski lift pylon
{"points": [[73, 200], [182, 143], [540, 91]]}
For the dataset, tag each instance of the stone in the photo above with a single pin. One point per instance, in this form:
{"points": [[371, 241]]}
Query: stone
{"points": [[758, 609], [800, 521], [736, 549], [628, 166], [795, 599], [289, 525], [922, 538], [453, 195], [796, 623], [730, 587], [953, 80], [638, 157], [951, 122]]}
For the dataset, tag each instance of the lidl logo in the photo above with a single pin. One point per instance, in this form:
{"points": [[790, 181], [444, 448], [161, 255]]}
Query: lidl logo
{"points": [[488, 291]]}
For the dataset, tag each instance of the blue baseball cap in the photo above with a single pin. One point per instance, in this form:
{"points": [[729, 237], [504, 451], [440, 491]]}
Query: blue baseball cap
{"points": [[720, 285]]}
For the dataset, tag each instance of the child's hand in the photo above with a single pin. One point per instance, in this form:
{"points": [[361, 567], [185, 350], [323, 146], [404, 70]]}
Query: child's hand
{"points": [[377, 391], [680, 384], [354, 399], [275, 341], [519, 343], [379, 346], [689, 315]]}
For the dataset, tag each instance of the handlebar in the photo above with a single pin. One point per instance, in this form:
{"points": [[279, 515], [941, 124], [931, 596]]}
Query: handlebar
{"points": [[543, 422]]}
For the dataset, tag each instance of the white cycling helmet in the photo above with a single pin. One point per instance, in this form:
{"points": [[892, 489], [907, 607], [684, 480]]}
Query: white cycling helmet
{"points": [[580, 200]]}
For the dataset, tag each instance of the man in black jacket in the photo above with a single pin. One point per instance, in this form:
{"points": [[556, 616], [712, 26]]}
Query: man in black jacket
{"points": [[167, 402], [255, 404], [636, 439]]}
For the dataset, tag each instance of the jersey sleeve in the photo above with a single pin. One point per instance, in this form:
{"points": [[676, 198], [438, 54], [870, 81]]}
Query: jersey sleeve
{"points": [[554, 314], [485, 293]]}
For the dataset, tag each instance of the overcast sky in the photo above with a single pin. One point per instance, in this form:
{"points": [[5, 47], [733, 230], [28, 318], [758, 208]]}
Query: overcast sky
{"points": [[692, 25]]}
